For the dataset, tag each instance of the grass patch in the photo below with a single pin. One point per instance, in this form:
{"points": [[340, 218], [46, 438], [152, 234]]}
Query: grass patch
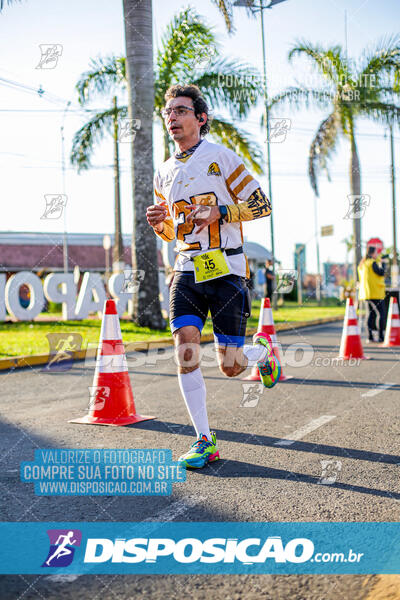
{"points": [[25, 338]]}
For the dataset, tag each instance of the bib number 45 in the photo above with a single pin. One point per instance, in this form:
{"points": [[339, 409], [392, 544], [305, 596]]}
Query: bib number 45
{"points": [[209, 265]]}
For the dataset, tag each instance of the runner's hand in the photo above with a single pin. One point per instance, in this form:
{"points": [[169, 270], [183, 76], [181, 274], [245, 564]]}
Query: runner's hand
{"points": [[156, 214], [202, 215]]}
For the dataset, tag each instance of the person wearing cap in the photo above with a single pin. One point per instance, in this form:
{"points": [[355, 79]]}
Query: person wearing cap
{"points": [[372, 290]]}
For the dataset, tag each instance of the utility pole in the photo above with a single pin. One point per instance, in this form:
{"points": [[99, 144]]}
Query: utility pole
{"points": [[254, 7], [65, 242], [318, 290], [266, 116], [118, 248], [395, 266], [300, 275]]}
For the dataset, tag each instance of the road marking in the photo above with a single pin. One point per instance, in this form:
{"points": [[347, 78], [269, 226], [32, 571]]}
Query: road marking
{"points": [[62, 578], [175, 509], [377, 390], [303, 431]]}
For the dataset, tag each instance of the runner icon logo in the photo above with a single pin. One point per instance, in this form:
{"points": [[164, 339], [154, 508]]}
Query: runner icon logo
{"points": [[251, 394], [62, 547], [330, 471]]}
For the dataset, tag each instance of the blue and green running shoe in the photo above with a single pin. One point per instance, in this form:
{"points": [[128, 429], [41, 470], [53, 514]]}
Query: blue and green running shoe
{"points": [[269, 369], [202, 452]]}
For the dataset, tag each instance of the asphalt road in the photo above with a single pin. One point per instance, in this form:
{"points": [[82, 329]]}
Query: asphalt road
{"points": [[323, 446]]}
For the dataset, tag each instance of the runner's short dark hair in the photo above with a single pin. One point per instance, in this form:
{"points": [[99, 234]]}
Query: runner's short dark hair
{"points": [[199, 104]]}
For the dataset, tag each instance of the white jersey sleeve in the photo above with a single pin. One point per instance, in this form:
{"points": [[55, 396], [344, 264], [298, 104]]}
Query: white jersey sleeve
{"points": [[239, 182]]}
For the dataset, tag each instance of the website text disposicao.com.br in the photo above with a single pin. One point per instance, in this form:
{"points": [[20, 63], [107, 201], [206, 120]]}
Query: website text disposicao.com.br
{"points": [[212, 550]]}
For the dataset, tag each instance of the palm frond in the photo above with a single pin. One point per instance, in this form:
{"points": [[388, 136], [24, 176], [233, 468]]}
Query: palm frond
{"points": [[322, 148], [232, 85], [102, 77], [187, 40], [225, 8], [382, 112], [329, 62], [237, 140], [8, 2], [383, 58], [299, 97], [88, 136]]}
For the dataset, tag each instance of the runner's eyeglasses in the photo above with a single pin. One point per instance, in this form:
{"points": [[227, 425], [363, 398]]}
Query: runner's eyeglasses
{"points": [[180, 111]]}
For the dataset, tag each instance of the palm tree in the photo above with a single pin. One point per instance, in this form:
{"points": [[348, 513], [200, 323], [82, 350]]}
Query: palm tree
{"points": [[83, 146], [226, 85], [351, 91], [139, 74]]}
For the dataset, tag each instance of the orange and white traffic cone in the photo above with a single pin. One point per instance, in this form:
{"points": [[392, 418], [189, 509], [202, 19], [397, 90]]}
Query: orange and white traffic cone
{"points": [[111, 400], [392, 333], [350, 345], [266, 326]]}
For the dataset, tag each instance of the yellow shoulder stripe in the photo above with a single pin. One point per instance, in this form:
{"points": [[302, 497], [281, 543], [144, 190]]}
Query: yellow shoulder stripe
{"points": [[235, 174], [242, 184]]}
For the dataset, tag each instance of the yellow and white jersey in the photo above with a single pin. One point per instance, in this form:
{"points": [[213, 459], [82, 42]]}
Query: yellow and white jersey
{"points": [[212, 175]]}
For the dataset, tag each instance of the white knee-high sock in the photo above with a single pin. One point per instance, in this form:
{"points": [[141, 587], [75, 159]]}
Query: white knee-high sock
{"points": [[194, 392], [254, 354]]}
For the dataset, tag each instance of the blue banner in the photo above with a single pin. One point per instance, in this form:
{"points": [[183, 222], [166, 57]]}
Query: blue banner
{"points": [[102, 472], [215, 548]]}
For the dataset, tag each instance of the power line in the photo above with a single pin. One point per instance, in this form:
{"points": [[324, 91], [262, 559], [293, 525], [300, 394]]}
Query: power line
{"points": [[22, 87], [51, 110]]}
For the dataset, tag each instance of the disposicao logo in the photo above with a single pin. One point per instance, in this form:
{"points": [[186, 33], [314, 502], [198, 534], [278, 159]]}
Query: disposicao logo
{"points": [[62, 547], [190, 550]]}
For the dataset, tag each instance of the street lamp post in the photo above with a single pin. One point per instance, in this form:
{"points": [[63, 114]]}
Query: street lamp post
{"points": [[300, 275], [318, 290], [65, 242], [254, 7], [107, 246], [395, 266]]}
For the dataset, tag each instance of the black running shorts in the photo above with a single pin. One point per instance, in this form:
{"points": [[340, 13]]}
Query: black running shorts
{"points": [[227, 298]]}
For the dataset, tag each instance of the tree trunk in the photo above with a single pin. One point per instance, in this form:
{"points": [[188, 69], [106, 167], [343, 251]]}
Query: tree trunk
{"points": [[167, 153], [355, 183], [118, 248], [139, 66]]}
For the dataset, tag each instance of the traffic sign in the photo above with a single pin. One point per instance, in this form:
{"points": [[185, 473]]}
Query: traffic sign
{"points": [[326, 230], [376, 243]]}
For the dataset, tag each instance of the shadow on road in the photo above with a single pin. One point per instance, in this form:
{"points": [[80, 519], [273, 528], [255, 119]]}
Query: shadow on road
{"points": [[234, 468], [268, 441], [333, 383]]}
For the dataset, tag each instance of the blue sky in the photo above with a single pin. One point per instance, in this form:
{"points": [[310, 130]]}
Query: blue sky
{"points": [[30, 142]]}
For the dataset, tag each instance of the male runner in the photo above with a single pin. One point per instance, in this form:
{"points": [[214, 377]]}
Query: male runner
{"points": [[203, 192]]}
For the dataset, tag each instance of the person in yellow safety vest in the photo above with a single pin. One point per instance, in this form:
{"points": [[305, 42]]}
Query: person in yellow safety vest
{"points": [[372, 289]]}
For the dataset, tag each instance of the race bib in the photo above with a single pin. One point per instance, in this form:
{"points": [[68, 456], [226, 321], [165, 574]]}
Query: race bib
{"points": [[210, 265]]}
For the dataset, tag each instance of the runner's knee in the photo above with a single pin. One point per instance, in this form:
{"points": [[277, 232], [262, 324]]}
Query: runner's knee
{"points": [[187, 348], [231, 370], [187, 355]]}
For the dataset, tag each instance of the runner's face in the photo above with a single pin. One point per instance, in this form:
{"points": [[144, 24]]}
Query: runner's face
{"points": [[184, 126]]}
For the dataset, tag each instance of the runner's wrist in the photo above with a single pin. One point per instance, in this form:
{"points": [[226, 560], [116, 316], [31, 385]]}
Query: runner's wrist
{"points": [[223, 211]]}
